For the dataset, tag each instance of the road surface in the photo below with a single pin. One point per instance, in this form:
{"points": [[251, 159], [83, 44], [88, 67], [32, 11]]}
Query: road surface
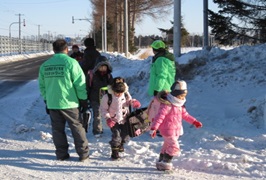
{"points": [[16, 74]]}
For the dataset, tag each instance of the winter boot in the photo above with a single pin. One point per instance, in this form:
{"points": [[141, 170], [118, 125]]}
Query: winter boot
{"points": [[166, 163], [115, 153], [160, 157], [121, 148]]}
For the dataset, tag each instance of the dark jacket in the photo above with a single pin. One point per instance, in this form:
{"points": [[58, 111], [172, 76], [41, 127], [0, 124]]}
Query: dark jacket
{"points": [[78, 56], [89, 59], [96, 81]]}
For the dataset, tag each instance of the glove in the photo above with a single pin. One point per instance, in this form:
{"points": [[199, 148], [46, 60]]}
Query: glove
{"points": [[46, 109], [135, 103], [153, 133], [197, 124], [155, 93], [137, 132], [83, 105], [110, 123]]}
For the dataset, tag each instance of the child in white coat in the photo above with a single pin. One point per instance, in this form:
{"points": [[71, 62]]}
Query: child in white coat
{"points": [[114, 107]]}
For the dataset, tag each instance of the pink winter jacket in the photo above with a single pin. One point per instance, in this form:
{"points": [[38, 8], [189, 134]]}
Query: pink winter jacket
{"points": [[169, 119], [119, 107]]}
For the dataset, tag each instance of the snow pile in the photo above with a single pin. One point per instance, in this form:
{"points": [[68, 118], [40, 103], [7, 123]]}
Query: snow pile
{"points": [[226, 93], [18, 57]]}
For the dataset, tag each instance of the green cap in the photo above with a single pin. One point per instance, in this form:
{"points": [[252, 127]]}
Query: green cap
{"points": [[158, 44]]}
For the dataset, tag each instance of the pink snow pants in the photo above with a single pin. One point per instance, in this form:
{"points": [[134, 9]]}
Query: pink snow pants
{"points": [[171, 146]]}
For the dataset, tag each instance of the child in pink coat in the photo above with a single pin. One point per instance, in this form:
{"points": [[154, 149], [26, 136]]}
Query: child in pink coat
{"points": [[115, 113], [169, 122]]}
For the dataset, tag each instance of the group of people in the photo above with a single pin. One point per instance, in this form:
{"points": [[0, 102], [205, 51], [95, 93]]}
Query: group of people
{"points": [[67, 85]]}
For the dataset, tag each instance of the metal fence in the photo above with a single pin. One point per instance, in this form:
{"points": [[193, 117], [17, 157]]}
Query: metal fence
{"points": [[13, 46]]}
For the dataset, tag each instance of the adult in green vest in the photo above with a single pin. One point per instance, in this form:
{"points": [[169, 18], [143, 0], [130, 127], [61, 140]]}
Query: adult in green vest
{"points": [[163, 70], [63, 87]]}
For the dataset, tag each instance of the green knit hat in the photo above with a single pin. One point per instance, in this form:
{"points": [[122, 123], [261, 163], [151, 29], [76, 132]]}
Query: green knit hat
{"points": [[158, 44]]}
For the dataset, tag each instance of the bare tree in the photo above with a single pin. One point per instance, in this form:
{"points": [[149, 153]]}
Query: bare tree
{"points": [[138, 9]]}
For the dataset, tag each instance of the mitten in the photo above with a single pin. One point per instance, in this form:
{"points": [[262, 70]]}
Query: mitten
{"points": [[46, 109], [110, 123], [137, 132], [153, 133], [197, 124], [83, 105], [135, 103]]}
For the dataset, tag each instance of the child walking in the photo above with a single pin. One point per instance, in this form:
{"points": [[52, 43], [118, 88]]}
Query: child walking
{"points": [[97, 78], [169, 122], [114, 107]]}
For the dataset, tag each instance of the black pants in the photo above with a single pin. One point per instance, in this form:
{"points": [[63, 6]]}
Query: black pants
{"points": [[119, 135], [58, 120]]}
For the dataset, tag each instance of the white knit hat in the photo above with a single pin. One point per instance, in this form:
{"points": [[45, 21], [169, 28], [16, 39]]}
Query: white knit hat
{"points": [[178, 88]]}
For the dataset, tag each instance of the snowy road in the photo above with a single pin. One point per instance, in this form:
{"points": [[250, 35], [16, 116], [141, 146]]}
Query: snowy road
{"points": [[15, 74]]}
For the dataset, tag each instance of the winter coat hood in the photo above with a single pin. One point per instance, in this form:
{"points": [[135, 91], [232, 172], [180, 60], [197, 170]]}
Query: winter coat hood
{"points": [[162, 97], [110, 90], [102, 60]]}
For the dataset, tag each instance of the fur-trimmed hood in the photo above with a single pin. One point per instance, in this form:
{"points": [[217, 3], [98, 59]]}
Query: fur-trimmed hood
{"points": [[162, 97], [118, 109], [110, 90]]}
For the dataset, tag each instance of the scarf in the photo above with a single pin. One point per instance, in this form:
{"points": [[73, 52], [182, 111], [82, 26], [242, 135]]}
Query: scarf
{"points": [[175, 101]]}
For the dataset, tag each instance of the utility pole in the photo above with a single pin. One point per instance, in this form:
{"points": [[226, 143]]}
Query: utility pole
{"points": [[86, 19], [19, 35], [177, 28], [102, 35], [39, 32], [205, 25], [126, 28], [105, 30]]}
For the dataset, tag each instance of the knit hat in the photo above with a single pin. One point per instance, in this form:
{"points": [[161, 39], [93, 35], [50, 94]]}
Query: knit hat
{"points": [[118, 85], [178, 88], [158, 44], [89, 42]]}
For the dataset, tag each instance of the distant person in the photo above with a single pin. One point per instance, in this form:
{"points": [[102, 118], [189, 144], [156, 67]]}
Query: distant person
{"points": [[114, 107], [63, 88], [90, 55], [76, 53], [97, 78], [169, 122]]}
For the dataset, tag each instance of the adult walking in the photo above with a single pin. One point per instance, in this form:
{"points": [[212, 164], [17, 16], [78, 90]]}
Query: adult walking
{"points": [[163, 70], [90, 55], [162, 75], [63, 87]]}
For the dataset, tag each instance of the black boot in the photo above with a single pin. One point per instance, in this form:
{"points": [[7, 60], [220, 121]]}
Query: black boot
{"points": [[161, 157], [167, 158], [121, 148], [115, 153], [166, 163]]}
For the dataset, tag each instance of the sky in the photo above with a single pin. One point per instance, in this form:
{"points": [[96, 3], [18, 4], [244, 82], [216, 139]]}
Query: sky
{"points": [[55, 17], [226, 92]]}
